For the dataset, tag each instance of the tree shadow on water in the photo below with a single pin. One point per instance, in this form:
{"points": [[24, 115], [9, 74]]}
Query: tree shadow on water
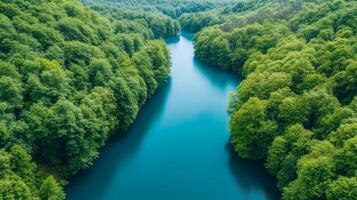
{"points": [[121, 147], [217, 77], [187, 35], [172, 40], [251, 175]]}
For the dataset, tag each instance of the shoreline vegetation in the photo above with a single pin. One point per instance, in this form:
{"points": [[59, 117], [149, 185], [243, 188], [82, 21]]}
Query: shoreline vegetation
{"points": [[71, 76], [296, 106], [73, 72]]}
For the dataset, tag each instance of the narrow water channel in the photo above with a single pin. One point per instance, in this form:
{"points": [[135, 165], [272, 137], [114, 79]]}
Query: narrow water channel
{"points": [[178, 149]]}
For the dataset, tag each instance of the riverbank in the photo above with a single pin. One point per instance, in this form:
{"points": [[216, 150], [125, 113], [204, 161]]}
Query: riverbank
{"points": [[179, 146]]}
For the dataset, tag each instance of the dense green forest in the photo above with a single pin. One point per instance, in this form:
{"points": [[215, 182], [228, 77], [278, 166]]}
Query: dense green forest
{"points": [[233, 14], [296, 107], [150, 25], [172, 8], [72, 75], [69, 78], [244, 12]]}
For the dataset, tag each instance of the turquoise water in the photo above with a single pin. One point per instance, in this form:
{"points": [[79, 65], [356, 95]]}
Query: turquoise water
{"points": [[178, 148]]}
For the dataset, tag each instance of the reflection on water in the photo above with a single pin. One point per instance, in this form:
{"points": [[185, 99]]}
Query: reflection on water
{"points": [[178, 148], [251, 174], [215, 75], [123, 146]]}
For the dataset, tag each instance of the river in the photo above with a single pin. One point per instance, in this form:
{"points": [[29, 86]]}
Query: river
{"points": [[178, 148]]}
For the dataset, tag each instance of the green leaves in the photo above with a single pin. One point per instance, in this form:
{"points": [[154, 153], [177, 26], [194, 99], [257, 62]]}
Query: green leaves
{"points": [[194, 22], [251, 131], [296, 107], [345, 86], [51, 190], [286, 150], [11, 91], [344, 188], [231, 50], [17, 174], [69, 78]]}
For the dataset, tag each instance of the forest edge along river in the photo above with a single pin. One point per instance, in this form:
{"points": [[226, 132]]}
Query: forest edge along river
{"points": [[178, 148]]}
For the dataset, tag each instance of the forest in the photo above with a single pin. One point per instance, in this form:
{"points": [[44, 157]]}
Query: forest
{"points": [[73, 73], [296, 107], [70, 78], [171, 8]]}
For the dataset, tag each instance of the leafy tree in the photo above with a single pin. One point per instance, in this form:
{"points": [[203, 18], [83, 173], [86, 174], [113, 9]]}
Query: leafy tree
{"points": [[11, 91], [296, 106], [346, 158], [343, 188], [253, 132], [194, 22], [286, 150], [75, 29], [99, 72], [51, 190], [13, 188], [262, 84], [346, 81], [172, 8], [231, 50], [314, 173], [69, 78]]}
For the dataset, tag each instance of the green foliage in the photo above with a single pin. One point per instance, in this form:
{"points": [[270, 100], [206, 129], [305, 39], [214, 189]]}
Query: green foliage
{"points": [[69, 78], [231, 50], [171, 8], [343, 188], [286, 150], [51, 190], [296, 108], [346, 83], [237, 14], [194, 22], [17, 174], [251, 131], [314, 172], [150, 25]]}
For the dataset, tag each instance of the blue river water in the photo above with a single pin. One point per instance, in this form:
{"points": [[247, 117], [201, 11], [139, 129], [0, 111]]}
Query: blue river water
{"points": [[178, 148]]}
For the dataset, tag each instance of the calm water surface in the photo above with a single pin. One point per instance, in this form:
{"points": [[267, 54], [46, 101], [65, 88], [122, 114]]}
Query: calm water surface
{"points": [[178, 149]]}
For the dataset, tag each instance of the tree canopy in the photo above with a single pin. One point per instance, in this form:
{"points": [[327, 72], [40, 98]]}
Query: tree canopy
{"points": [[296, 107], [171, 8], [69, 78]]}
